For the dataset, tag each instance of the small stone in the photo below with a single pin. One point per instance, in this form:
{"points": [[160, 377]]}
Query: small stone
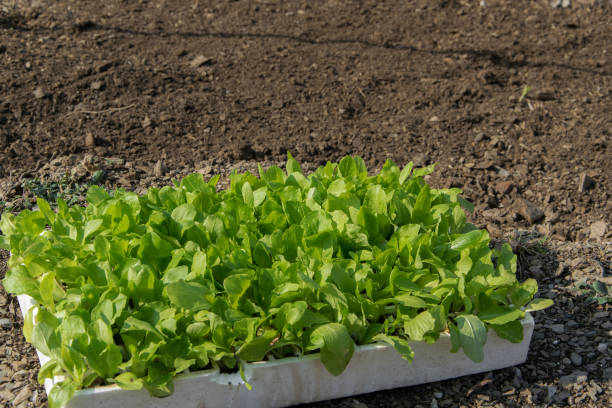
{"points": [[577, 377], [90, 141], [492, 202], [607, 373], [358, 404], [503, 173], [6, 323], [585, 183], [601, 315], [159, 169], [602, 347], [438, 395], [434, 119], [504, 187], [165, 117], [557, 328], [20, 375], [39, 93], [24, 395], [97, 85], [530, 211], [581, 376], [146, 122], [483, 397], [200, 60], [6, 395], [598, 230], [562, 396], [576, 358]]}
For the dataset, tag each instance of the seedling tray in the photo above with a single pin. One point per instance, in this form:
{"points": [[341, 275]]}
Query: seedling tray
{"points": [[298, 380]]}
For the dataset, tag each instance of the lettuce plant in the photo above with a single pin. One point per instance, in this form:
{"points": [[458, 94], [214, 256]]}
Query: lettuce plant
{"points": [[133, 290]]}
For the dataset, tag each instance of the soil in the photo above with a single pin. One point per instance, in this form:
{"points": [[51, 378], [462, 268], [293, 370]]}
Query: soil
{"points": [[512, 101]]}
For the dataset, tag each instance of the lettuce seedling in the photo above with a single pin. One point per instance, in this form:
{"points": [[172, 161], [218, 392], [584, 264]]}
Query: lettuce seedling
{"points": [[133, 290]]}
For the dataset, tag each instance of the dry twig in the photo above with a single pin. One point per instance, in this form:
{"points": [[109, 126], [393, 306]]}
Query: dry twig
{"points": [[121, 108]]}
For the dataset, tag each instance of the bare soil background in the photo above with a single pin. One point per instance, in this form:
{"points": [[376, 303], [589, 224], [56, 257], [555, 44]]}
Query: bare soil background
{"points": [[135, 93]]}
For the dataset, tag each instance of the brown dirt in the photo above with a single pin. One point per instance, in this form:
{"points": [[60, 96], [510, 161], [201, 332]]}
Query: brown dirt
{"points": [[151, 90]]}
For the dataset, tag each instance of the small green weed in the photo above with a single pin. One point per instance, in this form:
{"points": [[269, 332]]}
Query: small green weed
{"points": [[526, 90], [596, 292], [71, 191]]}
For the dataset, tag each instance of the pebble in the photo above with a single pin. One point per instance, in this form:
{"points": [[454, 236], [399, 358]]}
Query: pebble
{"points": [[39, 93], [504, 187], [607, 373], [6, 395], [6, 323], [598, 229], [200, 60], [577, 377], [502, 172], [23, 395], [358, 404], [602, 347], [530, 211], [90, 141], [576, 358], [97, 85], [479, 137], [562, 396], [20, 375], [438, 394], [557, 328], [551, 390], [159, 169], [585, 183], [572, 323]]}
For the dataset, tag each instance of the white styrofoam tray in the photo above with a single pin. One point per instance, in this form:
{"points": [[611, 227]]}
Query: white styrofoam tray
{"points": [[297, 380]]}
